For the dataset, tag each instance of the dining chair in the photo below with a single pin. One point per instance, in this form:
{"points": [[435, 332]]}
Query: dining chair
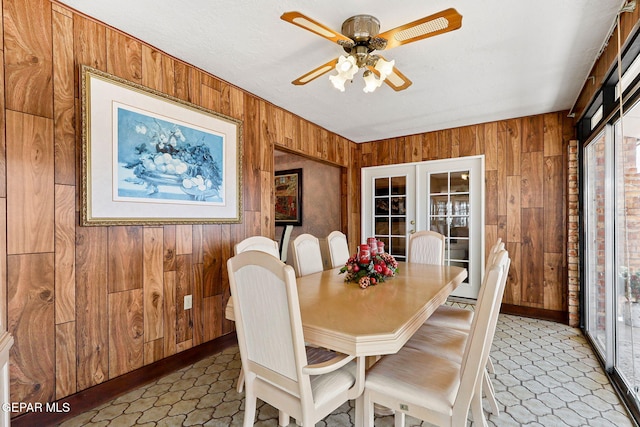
{"points": [[338, 249], [257, 243], [272, 351], [431, 386], [450, 341], [426, 247], [457, 317], [306, 255]]}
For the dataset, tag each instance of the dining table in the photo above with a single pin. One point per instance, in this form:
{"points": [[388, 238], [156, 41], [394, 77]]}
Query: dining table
{"points": [[374, 321]]}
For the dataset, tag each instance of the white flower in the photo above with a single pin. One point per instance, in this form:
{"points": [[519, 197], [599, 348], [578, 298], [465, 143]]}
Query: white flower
{"points": [[141, 129]]}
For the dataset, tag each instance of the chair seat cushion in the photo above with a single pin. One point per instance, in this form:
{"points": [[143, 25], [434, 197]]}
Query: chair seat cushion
{"points": [[414, 376], [440, 340], [327, 386], [452, 317]]}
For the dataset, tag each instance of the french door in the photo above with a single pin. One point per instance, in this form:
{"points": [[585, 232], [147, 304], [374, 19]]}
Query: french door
{"points": [[446, 196]]}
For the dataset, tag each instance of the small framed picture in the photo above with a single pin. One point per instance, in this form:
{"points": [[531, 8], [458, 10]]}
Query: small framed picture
{"points": [[288, 191]]}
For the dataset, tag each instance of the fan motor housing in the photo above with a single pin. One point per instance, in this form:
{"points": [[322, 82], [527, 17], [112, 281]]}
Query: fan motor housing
{"points": [[360, 28]]}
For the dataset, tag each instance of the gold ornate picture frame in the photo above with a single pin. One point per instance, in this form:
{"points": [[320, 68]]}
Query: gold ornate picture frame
{"points": [[149, 158]]}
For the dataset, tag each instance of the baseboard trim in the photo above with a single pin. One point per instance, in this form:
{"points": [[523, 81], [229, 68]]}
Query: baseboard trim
{"points": [[109, 390], [536, 313]]}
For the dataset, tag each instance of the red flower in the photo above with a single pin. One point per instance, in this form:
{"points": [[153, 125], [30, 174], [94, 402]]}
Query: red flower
{"points": [[378, 268]]}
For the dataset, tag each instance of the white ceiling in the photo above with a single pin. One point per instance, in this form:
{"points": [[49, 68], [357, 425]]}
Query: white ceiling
{"points": [[509, 59]]}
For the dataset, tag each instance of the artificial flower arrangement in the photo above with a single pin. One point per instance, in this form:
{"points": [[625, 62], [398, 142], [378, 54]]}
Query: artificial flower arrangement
{"points": [[369, 266]]}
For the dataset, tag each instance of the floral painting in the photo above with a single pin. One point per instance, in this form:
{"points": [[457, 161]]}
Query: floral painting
{"points": [[151, 158], [161, 159]]}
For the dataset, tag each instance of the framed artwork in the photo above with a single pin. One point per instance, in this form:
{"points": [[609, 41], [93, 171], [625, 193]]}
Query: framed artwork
{"points": [[288, 190], [149, 158]]}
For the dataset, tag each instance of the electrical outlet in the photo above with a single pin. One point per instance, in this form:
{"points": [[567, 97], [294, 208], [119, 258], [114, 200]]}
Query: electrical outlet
{"points": [[188, 302]]}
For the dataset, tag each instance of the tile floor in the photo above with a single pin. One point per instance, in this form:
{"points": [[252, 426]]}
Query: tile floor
{"points": [[546, 375]]}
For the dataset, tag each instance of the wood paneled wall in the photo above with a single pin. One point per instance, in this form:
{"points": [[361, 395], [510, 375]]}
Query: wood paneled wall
{"points": [[87, 304], [525, 178]]}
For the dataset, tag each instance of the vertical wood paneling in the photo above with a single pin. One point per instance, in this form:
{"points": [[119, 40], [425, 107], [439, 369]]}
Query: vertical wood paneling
{"points": [[124, 56], [468, 141], [213, 261], [152, 284], [502, 168], [126, 326], [184, 318], [63, 100], [3, 142], [28, 56], [555, 292], [65, 359], [554, 205], [490, 138], [513, 290], [491, 203], [213, 313], [90, 44], [125, 261], [513, 209], [532, 134], [513, 147], [533, 255], [30, 177], [151, 68], [31, 322], [184, 243], [169, 313], [169, 248], [532, 178], [92, 334], [153, 351], [196, 312], [65, 255]]}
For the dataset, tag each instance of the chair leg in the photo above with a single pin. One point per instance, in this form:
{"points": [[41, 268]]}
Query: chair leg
{"points": [[490, 366], [367, 410], [240, 384], [249, 409], [283, 418], [398, 419], [489, 392], [476, 408]]}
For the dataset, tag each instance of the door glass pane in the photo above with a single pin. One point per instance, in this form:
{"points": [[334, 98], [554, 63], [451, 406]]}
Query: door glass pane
{"points": [[460, 182], [595, 250], [439, 183], [390, 213], [381, 186], [627, 226]]}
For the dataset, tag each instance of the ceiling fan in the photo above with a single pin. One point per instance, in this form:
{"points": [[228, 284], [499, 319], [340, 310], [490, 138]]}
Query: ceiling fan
{"points": [[360, 37]]}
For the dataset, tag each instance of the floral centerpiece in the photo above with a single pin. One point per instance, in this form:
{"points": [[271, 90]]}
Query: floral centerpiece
{"points": [[367, 268]]}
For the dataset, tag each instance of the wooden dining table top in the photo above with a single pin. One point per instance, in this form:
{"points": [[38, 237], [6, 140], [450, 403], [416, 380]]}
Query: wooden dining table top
{"points": [[378, 320]]}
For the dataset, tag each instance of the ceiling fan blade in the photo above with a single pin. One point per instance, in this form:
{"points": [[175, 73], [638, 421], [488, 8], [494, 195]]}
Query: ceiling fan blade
{"points": [[314, 74], [302, 21], [438, 23], [396, 80]]}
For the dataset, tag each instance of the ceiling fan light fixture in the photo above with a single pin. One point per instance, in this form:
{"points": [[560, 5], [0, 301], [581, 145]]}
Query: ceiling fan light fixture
{"points": [[338, 81], [385, 68], [347, 66], [371, 82]]}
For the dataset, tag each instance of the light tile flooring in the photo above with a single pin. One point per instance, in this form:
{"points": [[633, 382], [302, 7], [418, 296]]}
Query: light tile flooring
{"points": [[545, 375]]}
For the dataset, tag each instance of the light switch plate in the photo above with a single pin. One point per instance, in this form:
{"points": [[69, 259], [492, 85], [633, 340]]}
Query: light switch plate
{"points": [[188, 302]]}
